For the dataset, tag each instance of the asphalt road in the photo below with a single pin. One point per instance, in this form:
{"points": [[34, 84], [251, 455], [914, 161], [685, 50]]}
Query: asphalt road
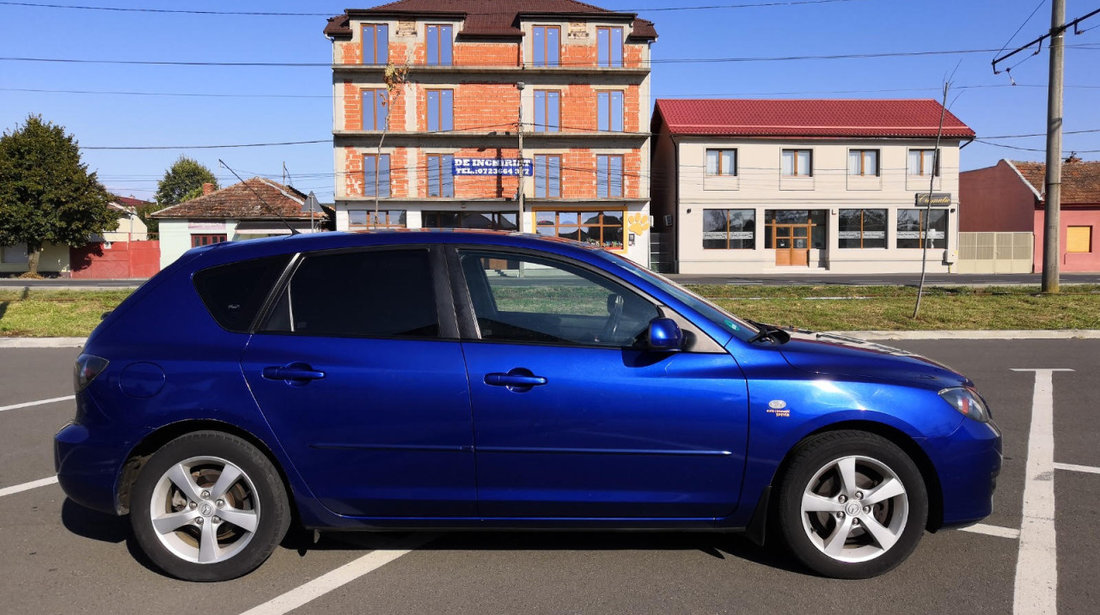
{"points": [[61, 558]]}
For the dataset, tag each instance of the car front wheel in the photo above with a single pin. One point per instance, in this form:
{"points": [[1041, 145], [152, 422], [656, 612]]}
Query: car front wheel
{"points": [[851, 504], [209, 506]]}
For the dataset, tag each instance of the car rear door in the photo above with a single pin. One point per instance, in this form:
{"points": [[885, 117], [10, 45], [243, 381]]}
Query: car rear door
{"points": [[359, 372], [571, 420]]}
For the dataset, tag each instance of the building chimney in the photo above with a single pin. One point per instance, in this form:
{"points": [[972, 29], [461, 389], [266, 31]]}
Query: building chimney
{"points": [[207, 188]]}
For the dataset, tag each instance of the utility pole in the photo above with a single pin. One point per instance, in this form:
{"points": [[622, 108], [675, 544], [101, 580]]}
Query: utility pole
{"points": [[1052, 228], [519, 176]]}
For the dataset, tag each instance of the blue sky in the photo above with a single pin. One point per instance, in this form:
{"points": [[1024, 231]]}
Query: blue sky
{"points": [[294, 104]]}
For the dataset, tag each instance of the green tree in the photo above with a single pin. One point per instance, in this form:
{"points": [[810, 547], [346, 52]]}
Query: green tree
{"points": [[46, 194], [182, 182]]}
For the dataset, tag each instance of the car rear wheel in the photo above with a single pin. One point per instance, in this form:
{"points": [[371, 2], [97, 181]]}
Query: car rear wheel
{"points": [[851, 504], [209, 506]]}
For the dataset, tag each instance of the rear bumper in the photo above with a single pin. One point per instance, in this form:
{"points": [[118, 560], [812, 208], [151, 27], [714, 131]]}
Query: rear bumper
{"points": [[86, 470]]}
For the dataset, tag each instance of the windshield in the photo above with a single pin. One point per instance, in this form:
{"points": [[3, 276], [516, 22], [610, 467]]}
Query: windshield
{"points": [[737, 326]]}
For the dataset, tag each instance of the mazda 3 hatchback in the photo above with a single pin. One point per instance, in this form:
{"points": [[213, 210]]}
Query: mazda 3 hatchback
{"points": [[439, 380]]}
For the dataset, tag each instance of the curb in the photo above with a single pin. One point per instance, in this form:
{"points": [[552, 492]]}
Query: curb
{"points": [[1059, 334]]}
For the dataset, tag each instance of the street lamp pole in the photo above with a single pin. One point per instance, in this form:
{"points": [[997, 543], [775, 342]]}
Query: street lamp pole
{"points": [[519, 176]]}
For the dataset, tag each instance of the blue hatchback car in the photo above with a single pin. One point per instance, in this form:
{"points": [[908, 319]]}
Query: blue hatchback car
{"points": [[480, 380]]}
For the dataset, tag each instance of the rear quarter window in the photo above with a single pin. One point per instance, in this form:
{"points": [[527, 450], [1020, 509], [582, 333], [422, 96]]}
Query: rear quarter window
{"points": [[234, 293]]}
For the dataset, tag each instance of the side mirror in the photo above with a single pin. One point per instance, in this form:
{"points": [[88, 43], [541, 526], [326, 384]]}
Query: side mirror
{"points": [[664, 335]]}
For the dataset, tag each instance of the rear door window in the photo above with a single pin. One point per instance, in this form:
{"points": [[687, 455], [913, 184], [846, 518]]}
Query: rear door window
{"points": [[234, 293], [377, 293]]}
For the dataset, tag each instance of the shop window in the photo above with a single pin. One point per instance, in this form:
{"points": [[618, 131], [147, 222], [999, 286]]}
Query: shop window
{"points": [[1079, 239], [376, 42], [815, 219], [376, 175], [862, 228], [602, 228], [729, 229], [547, 176], [610, 114], [547, 110], [439, 46], [491, 220], [609, 176], [609, 47], [546, 45], [375, 109], [798, 163], [721, 162], [440, 177], [360, 219], [863, 162], [441, 110], [914, 225]]}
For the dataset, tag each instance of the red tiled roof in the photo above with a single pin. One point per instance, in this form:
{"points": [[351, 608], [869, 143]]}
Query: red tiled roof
{"points": [[809, 118], [240, 202], [488, 18], [1080, 180], [129, 201]]}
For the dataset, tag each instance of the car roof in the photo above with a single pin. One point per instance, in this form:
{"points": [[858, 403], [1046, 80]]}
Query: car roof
{"points": [[228, 252]]}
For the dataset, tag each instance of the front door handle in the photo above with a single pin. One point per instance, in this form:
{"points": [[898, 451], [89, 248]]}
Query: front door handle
{"points": [[518, 380], [296, 374]]}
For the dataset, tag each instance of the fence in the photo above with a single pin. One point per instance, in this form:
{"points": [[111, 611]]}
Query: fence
{"points": [[996, 252], [115, 260]]}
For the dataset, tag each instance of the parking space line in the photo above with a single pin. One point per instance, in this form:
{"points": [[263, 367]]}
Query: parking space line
{"points": [[1076, 468], [343, 575], [1036, 585], [40, 402], [992, 530], [34, 484]]}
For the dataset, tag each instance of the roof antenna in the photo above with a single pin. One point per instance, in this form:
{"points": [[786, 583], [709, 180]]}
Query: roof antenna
{"points": [[293, 231]]}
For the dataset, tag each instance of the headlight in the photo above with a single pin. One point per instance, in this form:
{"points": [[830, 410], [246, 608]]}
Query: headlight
{"points": [[967, 401]]}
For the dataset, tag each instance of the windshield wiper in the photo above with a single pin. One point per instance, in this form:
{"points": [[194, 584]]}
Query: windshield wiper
{"points": [[769, 332]]}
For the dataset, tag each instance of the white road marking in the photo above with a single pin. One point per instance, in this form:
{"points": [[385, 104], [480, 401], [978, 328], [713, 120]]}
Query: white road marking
{"points": [[343, 575], [1076, 468], [40, 402], [34, 484], [992, 530], [1036, 586]]}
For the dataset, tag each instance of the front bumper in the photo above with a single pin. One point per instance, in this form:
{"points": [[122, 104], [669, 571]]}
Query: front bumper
{"points": [[968, 462]]}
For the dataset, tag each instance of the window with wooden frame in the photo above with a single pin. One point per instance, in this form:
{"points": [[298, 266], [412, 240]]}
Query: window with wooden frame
{"points": [[609, 47], [207, 239], [798, 163], [545, 45], [722, 162], [610, 111], [916, 225], [603, 228], [376, 43], [1079, 239], [375, 109], [547, 110], [376, 175], [440, 178], [441, 110], [547, 176], [609, 176], [923, 162], [384, 218], [439, 45], [729, 229], [862, 228], [863, 162]]}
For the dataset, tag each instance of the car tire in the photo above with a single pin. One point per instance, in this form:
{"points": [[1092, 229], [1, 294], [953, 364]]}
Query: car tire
{"points": [[851, 504], [208, 506]]}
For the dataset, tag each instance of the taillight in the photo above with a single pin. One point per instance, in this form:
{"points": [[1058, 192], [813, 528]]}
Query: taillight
{"points": [[88, 366]]}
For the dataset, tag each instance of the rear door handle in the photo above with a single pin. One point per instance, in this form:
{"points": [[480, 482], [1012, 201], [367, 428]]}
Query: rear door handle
{"points": [[293, 373]]}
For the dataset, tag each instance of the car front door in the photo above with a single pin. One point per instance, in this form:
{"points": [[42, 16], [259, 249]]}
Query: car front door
{"points": [[572, 419], [362, 379]]}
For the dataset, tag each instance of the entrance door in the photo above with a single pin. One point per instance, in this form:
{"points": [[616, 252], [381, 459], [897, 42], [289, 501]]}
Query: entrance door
{"points": [[792, 244]]}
